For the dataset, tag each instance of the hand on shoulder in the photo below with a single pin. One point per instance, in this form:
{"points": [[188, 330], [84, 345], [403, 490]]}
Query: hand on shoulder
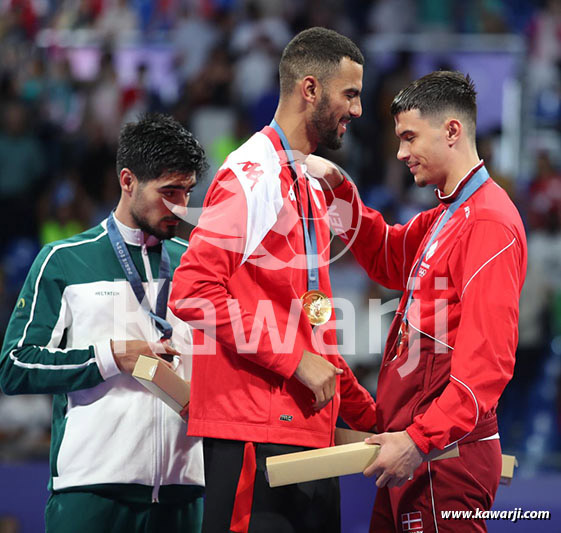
{"points": [[326, 172]]}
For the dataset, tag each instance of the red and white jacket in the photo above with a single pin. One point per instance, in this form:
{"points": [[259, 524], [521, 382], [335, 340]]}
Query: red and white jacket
{"points": [[246, 265], [463, 322]]}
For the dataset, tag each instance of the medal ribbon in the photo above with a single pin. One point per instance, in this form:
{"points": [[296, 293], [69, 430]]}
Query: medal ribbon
{"points": [[476, 181], [310, 240], [133, 277]]}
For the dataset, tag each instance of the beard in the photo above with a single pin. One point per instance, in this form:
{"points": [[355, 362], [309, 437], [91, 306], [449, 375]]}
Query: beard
{"points": [[326, 125], [143, 223]]}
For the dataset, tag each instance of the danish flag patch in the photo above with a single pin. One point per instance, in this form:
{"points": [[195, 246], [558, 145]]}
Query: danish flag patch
{"points": [[412, 521]]}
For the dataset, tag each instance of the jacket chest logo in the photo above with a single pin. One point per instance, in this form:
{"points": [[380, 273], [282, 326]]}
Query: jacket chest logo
{"points": [[291, 194], [424, 267], [107, 293], [431, 251]]}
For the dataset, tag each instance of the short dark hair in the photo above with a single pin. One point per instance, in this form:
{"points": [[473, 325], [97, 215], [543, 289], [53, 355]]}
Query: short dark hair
{"points": [[437, 93], [157, 145], [316, 52]]}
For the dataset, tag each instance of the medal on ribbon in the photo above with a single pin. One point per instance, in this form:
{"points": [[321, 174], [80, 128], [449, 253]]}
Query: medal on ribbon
{"points": [[316, 304], [479, 177], [402, 338], [133, 277], [317, 307]]}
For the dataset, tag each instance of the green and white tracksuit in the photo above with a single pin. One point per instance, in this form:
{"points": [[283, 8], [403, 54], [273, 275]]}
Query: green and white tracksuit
{"points": [[107, 428]]}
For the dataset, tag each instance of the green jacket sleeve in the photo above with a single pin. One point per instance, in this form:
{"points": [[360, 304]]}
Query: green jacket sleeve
{"points": [[33, 358]]}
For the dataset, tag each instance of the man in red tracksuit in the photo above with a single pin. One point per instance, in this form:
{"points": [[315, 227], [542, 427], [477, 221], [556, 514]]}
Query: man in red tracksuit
{"points": [[451, 347], [264, 380]]}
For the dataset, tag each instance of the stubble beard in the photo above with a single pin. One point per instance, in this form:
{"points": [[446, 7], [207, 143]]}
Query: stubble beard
{"points": [[326, 125], [142, 222]]}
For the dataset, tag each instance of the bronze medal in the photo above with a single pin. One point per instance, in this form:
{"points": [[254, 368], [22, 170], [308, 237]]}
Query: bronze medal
{"points": [[402, 338], [317, 307]]}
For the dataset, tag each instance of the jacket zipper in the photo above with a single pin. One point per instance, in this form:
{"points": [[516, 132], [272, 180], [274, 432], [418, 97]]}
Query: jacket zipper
{"points": [[158, 437], [158, 415]]}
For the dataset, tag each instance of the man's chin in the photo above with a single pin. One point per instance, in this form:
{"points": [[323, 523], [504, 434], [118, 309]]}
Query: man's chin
{"points": [[333, 142], [168, 233]]}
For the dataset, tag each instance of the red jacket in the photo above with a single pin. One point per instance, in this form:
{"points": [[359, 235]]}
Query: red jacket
{"points": [[246, 259], [463, 323]]}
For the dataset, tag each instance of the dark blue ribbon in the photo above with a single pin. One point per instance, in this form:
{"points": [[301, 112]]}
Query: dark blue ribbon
{"points": [[310, 240], [133, 277], [476, 181]]}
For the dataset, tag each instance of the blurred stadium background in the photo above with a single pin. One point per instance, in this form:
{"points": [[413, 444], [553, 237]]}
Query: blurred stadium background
{"points": [[73, 71]]}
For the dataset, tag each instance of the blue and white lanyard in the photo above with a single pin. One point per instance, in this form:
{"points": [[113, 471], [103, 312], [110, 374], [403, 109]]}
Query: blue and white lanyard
{"points": [[133, 278], [476, 181], [310, 240]]}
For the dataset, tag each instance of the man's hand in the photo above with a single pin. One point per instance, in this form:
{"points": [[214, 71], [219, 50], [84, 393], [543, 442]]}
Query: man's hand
{"points": [[126, 353], [397, 461], [328, 175], [184, 413], [319, 375]]}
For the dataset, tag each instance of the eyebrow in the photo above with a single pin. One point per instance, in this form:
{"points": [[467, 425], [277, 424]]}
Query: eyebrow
{"points": [[405, 133], [179, 187]]}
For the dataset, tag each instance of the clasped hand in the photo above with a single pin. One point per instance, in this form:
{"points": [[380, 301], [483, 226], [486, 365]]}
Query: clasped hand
{"points": [[319, 375], [397, 461], [126, 353]]}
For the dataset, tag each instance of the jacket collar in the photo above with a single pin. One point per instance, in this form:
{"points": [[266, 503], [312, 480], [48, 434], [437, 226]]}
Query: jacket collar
{"points": [[449, 198], [133, 236], [276, 141]]}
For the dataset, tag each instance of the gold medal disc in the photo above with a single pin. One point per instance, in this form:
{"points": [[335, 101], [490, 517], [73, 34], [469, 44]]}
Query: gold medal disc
{"points": [[317, 307]]}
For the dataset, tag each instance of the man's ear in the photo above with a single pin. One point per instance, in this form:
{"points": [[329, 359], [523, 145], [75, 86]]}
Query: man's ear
{"points": [[127, 180], [454, 131], [310, 89]]}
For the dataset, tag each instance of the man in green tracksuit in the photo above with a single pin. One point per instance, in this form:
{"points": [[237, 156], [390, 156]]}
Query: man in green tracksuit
{"points": [[120, 458]]}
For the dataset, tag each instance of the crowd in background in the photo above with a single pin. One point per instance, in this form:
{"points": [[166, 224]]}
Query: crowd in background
{"points": [[72, 72]]}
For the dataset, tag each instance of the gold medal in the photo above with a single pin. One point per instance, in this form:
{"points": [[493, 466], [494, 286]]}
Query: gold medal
{"points": [[317, 307], [402, 338]]}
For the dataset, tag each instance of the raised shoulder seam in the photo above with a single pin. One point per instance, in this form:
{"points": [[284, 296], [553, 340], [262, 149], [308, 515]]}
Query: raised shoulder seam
{"points": [[471, 224]]}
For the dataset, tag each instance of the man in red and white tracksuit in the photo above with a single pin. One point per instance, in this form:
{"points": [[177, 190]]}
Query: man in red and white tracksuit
{"points": [[264, 381], [451, 347]]}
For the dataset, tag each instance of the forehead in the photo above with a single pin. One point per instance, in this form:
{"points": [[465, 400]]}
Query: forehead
{"points": [[174, 179], [411, 120], [348, 75]]}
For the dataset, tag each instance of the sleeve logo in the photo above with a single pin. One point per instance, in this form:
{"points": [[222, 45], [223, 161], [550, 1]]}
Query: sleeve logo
{"points": [[252, 172]]}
